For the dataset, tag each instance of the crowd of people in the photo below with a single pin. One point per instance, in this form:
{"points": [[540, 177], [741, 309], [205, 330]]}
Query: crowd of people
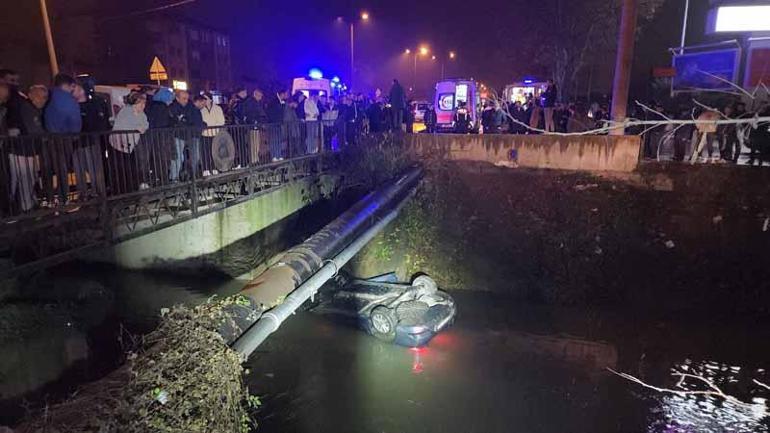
{"points": [[67, 135]]}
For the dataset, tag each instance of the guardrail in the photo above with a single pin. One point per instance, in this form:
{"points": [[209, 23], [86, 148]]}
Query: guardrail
{"points": [[54, 171]]}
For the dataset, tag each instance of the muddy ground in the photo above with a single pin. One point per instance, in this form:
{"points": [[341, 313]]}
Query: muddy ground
{"points": [[668, 237]]}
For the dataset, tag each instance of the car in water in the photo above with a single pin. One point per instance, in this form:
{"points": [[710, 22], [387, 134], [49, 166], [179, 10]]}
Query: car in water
{"points": [[401, 313]]}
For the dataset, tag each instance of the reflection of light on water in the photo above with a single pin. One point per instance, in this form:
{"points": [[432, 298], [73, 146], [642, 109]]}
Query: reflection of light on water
{"points": [[705, 414], [417, 366]]}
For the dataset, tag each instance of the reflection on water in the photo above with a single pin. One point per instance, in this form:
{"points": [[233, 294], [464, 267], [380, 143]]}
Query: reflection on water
{"points": [[690, 413], [500, 368]]}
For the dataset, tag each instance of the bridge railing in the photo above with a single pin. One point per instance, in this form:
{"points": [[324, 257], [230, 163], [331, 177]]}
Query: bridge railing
{"points": [[60, 171]]}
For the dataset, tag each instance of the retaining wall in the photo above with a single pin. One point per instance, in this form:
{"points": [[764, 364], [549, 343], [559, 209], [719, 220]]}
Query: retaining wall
{"points": [[590, 152]]}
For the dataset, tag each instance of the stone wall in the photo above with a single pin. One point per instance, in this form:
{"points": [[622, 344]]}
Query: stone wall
{"points": [[590, 152]]}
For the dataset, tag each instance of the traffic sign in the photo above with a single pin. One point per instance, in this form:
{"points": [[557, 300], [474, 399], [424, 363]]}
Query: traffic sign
{"points": [[157, 70]]}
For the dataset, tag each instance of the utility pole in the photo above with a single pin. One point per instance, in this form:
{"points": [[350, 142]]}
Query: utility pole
{"points": [[684, 26], [49, 39], [352, 56], [623, 63]]}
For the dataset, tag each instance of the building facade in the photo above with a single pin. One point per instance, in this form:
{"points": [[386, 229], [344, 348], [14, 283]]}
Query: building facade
{"points": [[192, 53]]}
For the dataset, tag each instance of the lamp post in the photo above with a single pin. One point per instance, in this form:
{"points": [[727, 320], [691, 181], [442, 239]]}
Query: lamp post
{"points": [[421, 51], [49, 38], [364, 17]]}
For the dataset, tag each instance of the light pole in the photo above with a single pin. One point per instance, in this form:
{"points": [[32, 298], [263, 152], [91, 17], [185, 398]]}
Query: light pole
{"points": [[49, 39], [421, 51], [364, 17], [451, 56]]}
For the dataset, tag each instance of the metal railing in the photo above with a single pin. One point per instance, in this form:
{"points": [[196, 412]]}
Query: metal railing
{"points": [[61, 171]]}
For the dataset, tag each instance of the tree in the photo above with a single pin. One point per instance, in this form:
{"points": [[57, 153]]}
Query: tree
{"points": [[564, 36]]}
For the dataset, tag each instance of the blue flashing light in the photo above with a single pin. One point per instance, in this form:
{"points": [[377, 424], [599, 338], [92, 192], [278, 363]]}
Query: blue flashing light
{"points": [[315, 74], [333, 84], [336, 79], [529, 81]]}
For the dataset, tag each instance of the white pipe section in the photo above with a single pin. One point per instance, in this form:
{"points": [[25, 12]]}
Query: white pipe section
{"points": [[271, 320]]}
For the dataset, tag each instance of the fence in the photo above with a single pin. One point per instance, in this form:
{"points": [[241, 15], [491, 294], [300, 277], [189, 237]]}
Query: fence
{"points": [[57, 171]]}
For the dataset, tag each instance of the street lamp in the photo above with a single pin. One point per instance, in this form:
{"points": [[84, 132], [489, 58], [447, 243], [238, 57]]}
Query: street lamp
{"points": [[421, 51], [364, 17], [451, 56]]}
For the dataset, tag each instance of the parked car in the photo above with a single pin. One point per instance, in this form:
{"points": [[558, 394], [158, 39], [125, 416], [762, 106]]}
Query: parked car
{"points": [[418, 109], [402, 313]]}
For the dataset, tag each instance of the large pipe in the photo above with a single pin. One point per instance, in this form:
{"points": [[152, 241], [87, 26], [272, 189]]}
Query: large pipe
{"points": [[271, 320], [302, 261]]}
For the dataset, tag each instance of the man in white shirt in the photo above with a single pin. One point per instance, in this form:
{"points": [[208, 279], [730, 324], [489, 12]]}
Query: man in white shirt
{"points": [[311, 123], [214, 118]]}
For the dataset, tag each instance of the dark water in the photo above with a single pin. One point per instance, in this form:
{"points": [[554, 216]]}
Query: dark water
{"points": [[503, 366]]}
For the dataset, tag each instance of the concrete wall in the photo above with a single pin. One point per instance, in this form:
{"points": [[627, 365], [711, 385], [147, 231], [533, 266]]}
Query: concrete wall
{"points": [[212, 232], [591, 152]]}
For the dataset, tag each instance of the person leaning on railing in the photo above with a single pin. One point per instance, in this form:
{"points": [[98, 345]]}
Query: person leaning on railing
{"points": [[130, 123], [214, 118], [23, 152]]}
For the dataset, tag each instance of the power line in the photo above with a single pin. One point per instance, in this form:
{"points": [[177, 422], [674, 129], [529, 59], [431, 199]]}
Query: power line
{"points": [[149, 11]]}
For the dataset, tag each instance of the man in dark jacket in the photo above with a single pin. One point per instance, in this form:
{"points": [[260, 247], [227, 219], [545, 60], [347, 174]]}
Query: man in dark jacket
{"points": [[157, 143], [275, 114], [179, 110], [398, 104], [22, 152], [253, 109], [548, 99]]}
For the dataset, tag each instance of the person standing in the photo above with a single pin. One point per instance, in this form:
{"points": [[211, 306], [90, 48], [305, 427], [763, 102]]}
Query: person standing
{"points": [[275, 114], [214, 118], [728, 137], [462, 119], [430, 119], [705, 130], [313, 129], [398, 104], [88, 153], [197, 126], [255, 114], [61, 116], [159, 141], [179, 112], [130, 124], [534, 117], [549, 102], [22, 152]]}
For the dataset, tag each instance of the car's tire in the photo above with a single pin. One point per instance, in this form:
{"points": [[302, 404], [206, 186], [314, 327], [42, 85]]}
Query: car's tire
{"points": [[426, 284], [383, 323]]}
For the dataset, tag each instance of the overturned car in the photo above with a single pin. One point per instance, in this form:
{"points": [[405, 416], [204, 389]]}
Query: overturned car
{"points": [[405, 314]]}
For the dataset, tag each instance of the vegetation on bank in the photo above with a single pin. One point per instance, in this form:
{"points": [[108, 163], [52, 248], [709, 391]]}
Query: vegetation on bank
{"points": [[182, 377]]}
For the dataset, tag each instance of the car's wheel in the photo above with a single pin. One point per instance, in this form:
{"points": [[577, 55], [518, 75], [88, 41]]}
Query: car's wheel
{"points": [[426, 284], [383, 323]]}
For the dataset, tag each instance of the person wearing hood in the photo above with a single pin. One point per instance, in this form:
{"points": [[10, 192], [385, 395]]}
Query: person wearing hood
{"points": [[157, 111], [130, 124]]}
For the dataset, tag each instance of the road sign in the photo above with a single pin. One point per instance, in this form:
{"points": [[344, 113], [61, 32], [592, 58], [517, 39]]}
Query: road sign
{"points": [[706, 70], [157, 70]]}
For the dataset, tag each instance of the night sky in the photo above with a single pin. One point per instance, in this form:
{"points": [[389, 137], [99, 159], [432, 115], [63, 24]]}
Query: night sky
{"points": [[276, 40]]}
